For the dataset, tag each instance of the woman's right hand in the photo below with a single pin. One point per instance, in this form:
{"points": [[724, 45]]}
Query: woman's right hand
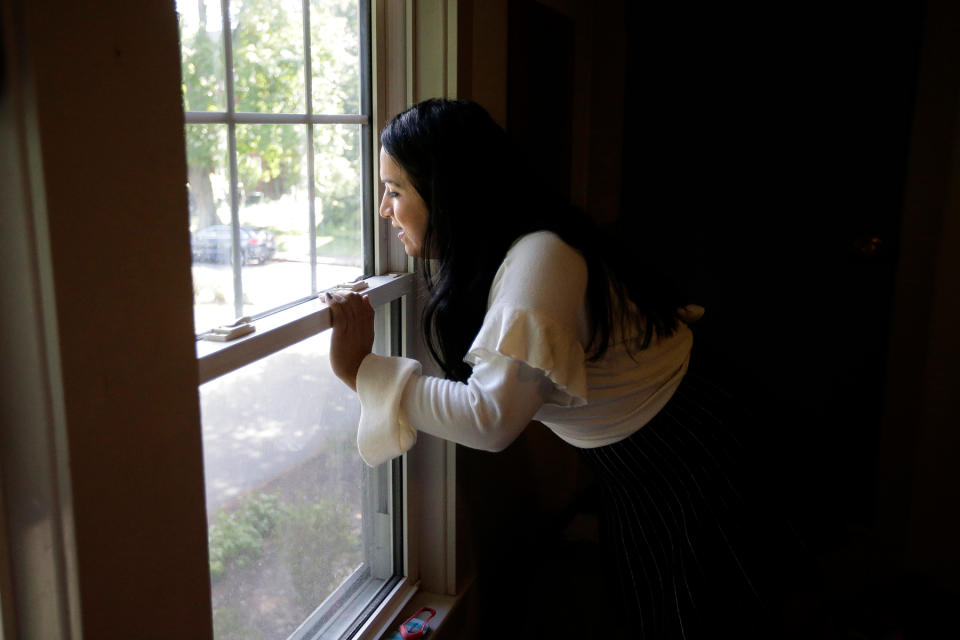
{"points": [[352, 318]]}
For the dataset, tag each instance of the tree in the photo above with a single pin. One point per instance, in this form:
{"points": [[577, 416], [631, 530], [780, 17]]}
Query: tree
{"points": [[202, 72]]}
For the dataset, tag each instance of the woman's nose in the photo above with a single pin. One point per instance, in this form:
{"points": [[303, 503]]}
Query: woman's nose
{"points": [[384, 209]]}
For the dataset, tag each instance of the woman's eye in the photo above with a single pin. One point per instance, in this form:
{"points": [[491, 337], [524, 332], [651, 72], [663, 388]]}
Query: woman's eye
{"points": [[392, 194]]}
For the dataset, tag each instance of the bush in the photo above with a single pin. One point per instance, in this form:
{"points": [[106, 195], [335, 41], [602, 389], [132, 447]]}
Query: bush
{"points": [[236, 539]]}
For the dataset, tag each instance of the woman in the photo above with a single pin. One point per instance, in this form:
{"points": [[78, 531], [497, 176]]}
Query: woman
{"points": [[529, 317]]}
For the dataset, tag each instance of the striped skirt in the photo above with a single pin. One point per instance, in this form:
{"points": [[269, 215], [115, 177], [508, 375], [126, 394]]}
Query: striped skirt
{"points": [[692, 549]]}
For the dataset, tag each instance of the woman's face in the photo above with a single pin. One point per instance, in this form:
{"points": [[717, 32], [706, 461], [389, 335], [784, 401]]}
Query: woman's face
{"points": [[402, 205]]}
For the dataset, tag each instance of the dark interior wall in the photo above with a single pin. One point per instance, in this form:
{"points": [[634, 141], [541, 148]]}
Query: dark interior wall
{"points": [[919, 475], [565, 97], [541, 92], [764, 155], [770, 153]]}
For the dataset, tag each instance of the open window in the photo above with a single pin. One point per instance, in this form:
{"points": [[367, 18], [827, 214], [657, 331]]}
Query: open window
{"points": [[304, 539]]}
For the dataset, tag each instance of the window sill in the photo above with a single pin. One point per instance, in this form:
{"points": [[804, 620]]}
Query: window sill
{"points": [[403, 603], [286, 327]]}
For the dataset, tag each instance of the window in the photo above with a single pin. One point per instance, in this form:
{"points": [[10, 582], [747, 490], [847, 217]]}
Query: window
{"points": [[303, 537]]}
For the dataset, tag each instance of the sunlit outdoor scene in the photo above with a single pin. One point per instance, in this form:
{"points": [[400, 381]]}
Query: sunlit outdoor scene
{"points": [[283, 482]]}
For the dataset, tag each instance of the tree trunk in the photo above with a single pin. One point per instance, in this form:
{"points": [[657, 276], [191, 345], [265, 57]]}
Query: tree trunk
{"points": [[201, 197]]}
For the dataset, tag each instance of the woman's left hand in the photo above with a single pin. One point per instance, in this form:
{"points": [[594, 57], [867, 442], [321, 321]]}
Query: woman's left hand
{"points": [[352, 318]]}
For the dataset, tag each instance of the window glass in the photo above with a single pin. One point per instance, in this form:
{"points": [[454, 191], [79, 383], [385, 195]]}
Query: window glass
{"points": [[211, 241], [274, 215], [268, 56], [335, 56], [201, 53], [338, 199], [284, 489]]}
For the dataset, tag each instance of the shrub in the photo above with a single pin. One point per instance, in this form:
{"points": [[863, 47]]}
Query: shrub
{"points": [[236, 539]]}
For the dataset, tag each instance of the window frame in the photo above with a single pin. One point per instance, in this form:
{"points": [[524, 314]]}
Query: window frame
{"points": [[415, 55]]}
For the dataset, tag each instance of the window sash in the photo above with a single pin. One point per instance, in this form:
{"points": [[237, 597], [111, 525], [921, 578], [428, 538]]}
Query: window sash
{"points": [[278, 330], [232, 118]]}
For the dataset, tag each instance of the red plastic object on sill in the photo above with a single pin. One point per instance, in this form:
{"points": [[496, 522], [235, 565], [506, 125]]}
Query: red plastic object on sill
{"points": [[416, 625]]}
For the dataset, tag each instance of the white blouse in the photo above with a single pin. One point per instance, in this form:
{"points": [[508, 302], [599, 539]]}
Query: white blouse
{"points": [[528, 363]]}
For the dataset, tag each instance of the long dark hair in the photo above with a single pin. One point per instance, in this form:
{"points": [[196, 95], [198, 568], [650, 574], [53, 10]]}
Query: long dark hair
{"points": [[480, 199]]}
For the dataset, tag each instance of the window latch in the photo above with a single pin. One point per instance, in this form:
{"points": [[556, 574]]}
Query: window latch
{"points": [[353, 286], [226, 332]]}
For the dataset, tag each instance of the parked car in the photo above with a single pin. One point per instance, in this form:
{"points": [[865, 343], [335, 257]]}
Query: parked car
{"points": [[213, 244]]}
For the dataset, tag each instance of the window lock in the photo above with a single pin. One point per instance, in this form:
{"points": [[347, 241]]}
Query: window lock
{"points": [[356, 285], [224, 333]]}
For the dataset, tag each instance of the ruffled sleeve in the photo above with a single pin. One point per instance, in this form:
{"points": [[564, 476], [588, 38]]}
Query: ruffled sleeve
{"points": [[536, 315], [538, 341], [529, 352], [383, 433]]}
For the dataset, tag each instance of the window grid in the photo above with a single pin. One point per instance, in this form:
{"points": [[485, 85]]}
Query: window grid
{"points": [[232, 118]]}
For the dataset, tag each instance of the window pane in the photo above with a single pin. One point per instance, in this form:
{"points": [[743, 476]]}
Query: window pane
{"points": [[201, 52], [210, 238], [274, 215], [268, 56], [335, 55], [284, 489], [338, 201]]}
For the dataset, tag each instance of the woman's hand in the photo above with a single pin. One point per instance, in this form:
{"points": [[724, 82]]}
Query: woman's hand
{"points": [[352, 318]]}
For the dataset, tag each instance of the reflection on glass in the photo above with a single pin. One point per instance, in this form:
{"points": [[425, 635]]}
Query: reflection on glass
{"points": [[338, 203], [274, 215], [335, 55], [284, 490], [268, 56], [201, 55], [210, 239]]}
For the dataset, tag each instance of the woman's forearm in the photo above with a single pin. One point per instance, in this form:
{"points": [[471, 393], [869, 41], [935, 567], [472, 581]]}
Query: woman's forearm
{"points": [[487, 412]]}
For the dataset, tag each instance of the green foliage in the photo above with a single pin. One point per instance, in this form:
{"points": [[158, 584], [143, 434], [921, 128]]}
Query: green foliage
{"points": [[320, 548], [202, 72], [338, 184], [317, 540], [262, 511], [236, 539]]}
